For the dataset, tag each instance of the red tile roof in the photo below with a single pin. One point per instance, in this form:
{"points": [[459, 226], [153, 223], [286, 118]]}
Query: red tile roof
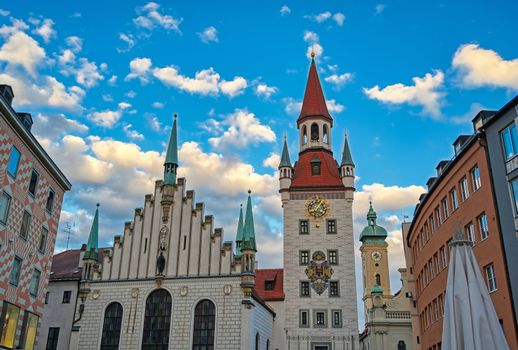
{"points": [[314, 103], [275, 275], [65, 265], [329, 175]]}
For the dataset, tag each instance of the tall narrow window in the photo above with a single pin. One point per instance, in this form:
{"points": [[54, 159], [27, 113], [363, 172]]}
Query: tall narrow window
{"points": [[314, 132], [204, 325], [29, 327], [514, 191], [326, 136], [112, 327], [303, 318], [331, 226], [334, 289], [444, 204], [304, 135], [454, 200], [43, 239], [510, 141], [304, 257], [337, 318], [67, 296], [475, 178], [257, 341], [332, 256], [35, 283], [464, 191], [157, 321], [438, 216], [26, 222], [50, 201], [304, 289], [303, 227], [482, 225], [8, 322], [401, 345], [52, 338], [491, 278], [470, 232], [378, 279], [14, 160], [14, 277], [5, 204], [444, 261], [33, 184]]}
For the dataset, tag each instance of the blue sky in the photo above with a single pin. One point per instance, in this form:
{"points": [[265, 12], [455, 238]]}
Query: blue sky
{"points": [[103, 79]]}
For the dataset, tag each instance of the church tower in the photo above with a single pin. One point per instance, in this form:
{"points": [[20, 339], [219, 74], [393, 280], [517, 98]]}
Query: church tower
{"points": [[317, 197], [374, 255]]}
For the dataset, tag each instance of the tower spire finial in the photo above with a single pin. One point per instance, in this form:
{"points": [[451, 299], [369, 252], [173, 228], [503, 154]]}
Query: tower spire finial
{"points": [[171, 159], [92, 247], [312, 52], [248, 228]]}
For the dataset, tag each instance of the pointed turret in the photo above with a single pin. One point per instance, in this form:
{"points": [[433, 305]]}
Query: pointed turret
{"points": [[92, 247], [171, 158], [285, 156], [314, 103], [285, 173], [239, 234], [347, 159], [248, 228], [347, 167]]}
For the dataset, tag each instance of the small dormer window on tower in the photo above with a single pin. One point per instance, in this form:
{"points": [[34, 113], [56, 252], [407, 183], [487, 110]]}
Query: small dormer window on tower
{"points": [[315, 166], [314, 132]]}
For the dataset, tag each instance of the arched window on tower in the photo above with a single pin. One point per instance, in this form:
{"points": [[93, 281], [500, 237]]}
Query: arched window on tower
{"points": [[314, 132], [378, 279], [257, 341], [304, 135], [112, 327], [204, 325], [326, 136], [401, 345], [157, 321]]}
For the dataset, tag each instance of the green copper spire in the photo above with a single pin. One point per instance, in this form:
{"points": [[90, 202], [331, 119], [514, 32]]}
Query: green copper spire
{"points": [[171, 158], [347, 159], [285, 157], [248, 229], [239, 234], [372, 233], [92, 248]]}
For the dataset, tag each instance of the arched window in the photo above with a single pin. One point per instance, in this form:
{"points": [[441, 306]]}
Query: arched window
{"points": [[157, 321], [314, 132], [326, 136], [401, 345], [204, 325], [112, 327], [257, 341], [378, 279], [304, 135], [267, 344]]}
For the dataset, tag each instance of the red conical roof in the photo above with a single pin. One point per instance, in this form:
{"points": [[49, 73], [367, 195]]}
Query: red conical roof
{"points": [[314, 103]]}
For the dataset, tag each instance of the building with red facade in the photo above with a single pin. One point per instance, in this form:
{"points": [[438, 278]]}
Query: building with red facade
{"points": [[459, 198], [32, 189]]}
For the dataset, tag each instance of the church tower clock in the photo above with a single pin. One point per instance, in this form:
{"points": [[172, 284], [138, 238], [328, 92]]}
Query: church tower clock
{"points": [[317, 196]]}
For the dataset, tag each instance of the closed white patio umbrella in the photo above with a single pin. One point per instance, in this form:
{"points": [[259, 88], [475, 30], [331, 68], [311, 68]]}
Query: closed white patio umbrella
{"points": [[470, 320]]}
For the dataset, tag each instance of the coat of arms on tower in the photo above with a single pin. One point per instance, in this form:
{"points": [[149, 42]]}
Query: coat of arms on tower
{"points": [[319, 272]]}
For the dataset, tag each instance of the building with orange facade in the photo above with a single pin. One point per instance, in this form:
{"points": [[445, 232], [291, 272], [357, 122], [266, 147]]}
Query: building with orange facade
{"points": [[459, 198]]}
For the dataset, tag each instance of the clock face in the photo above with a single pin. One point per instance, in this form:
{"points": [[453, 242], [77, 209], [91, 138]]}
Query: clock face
{"points": [[376, 256], [317, 208]]}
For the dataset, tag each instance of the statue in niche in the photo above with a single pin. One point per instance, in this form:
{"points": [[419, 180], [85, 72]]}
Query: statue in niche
{"points": [[163, 236], [160, 264]]}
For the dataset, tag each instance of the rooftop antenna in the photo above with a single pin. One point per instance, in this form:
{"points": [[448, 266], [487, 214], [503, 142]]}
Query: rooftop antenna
{"points": [[68, 230]]}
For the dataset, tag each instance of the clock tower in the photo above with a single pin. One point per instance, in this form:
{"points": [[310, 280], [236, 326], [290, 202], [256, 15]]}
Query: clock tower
{"points": [[374, 256], [317, 196]]}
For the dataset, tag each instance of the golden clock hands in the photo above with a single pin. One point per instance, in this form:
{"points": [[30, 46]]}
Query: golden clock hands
{"points": [[315, 209]]}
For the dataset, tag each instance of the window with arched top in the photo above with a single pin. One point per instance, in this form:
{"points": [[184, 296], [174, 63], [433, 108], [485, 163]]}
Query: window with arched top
{"points": [[204, 325], [112, 327], [314, 132], [378, 279], [401, 345], [267, 344], [326, 136], [304, 135], [257, 341], [157, 321]]}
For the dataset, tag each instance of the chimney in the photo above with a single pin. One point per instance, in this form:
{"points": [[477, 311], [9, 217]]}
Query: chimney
{"points": [[7, 93], [26, 120]]}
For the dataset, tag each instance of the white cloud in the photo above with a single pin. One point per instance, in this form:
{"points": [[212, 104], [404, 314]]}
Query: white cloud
{"points": [[293, 106], [425, 92], [130, 94], [205, 82], [285, 10], [233, 87], [54, 126], [45, 30], [87, 73], [67, 57], [131, 133], [209, 34], [319, 18], [265, 91], [158, 105], [151, 17], [4, 13], [107, 98], [106, 118], [124, 105], [21, 49], [16, 26], [339, 18], [479, 67], [469, 115], [339, 79], [272, 161], [314, 47], [380, 8], [139, 68], [310, 37], [75, 43], [154, 123], [244, 129], [128, 39], [113, 80]]}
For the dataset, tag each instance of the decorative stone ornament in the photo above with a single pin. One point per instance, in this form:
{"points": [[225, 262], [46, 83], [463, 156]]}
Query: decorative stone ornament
{"points": [[184, 290], [134, 292], [163, 238], [96, 294], [319, 272], [227, 289]]}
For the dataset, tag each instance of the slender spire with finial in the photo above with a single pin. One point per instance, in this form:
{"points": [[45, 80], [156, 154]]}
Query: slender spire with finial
{"points": [[285, 156], [92, 247], [248, 229], [171, 159], [347, 159], [239, 234]]}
